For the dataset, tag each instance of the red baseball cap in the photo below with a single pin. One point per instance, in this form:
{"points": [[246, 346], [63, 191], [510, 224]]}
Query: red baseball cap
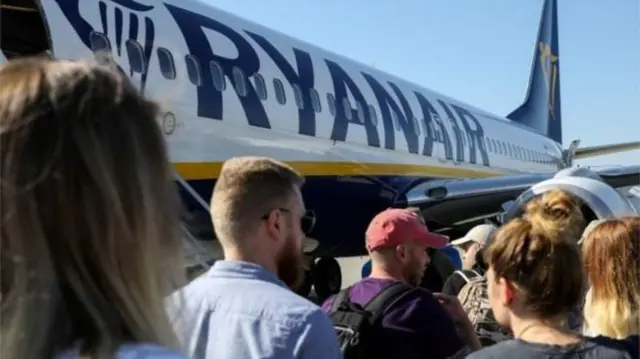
{"points": [[395, 226]]}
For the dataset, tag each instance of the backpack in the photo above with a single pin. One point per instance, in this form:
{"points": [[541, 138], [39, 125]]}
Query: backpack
{"points": [[475, 302], [354, 323]]}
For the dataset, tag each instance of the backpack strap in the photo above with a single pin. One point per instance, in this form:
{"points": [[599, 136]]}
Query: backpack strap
{"points": [[339, 299], [386, 297], [464, 275]]}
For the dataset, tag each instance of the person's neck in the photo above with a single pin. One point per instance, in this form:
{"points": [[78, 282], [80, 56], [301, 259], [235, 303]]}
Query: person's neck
{"points": [[383, 273], [542, 331], [238, 255]]}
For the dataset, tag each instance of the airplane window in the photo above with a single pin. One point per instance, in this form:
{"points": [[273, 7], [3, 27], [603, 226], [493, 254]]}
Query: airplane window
{"points": [[101, 48], [99, 42], [487, 144], [167, 65], [360, 112], [135, 53], [261, 88], [219, 81], [347, 108], [239, 81], [315, 100], [193, 70], [297, 94], [331, 101], [373, 115], [279, 89], [396, 120]]}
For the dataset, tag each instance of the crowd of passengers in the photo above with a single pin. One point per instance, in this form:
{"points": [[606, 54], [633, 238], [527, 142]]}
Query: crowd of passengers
{"points": [[92, 254]]}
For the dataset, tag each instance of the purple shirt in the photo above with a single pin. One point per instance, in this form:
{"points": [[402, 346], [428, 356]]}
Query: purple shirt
{"points": [[415, 326]]}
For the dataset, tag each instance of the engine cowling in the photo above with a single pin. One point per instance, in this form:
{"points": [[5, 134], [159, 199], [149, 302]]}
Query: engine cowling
{"points": [[603, 200]]}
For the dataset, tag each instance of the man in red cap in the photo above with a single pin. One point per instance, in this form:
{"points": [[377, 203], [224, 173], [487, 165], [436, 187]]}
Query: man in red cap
{"points": [[411, 322]]}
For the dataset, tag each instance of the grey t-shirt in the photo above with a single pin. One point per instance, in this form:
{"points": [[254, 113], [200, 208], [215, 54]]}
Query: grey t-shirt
{"points": [[589, 348]]}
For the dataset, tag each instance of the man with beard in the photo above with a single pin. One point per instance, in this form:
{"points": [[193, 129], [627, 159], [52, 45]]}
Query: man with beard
{"points": [[415, 323], [243, 307]]}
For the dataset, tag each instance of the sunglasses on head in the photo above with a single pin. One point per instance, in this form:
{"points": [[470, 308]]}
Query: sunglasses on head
{"points": [[307, 221]]}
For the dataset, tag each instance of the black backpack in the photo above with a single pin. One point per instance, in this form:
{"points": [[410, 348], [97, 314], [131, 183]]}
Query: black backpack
{"points": [[354, 322]]}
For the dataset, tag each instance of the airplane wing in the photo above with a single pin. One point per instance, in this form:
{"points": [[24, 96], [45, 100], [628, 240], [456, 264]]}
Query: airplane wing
{"points": [[450, 205], [593, 151]]}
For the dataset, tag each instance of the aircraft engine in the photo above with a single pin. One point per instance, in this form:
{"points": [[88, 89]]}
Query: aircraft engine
{"points": [[603, 201]]}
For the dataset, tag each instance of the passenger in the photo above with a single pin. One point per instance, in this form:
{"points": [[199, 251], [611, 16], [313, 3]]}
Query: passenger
{"points": [[412, 323], [90, 241], [535, 280], [243, 307], [472, 244], [611, 253]]}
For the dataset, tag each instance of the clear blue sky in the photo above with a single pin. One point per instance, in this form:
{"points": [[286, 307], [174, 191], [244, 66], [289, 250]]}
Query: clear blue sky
{"points": [[480, 52]]}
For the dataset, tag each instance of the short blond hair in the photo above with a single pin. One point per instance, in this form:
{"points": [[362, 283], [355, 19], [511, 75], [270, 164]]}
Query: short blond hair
{"points": [[247, 189]]}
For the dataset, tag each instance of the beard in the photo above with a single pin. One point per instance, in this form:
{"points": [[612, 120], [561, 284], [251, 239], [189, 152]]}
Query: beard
{"points": [[289, 264], [413, 272]]}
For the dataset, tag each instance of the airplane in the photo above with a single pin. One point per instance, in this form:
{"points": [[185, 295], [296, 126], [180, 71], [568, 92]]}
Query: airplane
{"points": [[364, 139]]}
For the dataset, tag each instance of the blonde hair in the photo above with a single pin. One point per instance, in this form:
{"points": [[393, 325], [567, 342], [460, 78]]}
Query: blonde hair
{"points": [[610, 253], [539, 255], [246, 190], [89, 215]]}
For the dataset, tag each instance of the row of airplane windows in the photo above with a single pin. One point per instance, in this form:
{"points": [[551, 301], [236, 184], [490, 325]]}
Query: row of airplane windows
{"points": [[136, 56]]}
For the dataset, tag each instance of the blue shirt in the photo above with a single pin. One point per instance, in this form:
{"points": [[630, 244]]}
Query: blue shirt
{"points": [[414, 326], [366, 269], [239, 310]]}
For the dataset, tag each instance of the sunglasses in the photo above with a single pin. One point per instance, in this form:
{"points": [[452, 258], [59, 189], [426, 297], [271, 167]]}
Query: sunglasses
{"points": [[307, 221]]}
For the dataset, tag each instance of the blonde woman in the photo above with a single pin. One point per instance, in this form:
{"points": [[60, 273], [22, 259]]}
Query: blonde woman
{"points": [[611, 254], [88, 216]]}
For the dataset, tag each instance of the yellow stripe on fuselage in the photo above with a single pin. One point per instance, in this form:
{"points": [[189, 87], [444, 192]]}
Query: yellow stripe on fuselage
{"points": [[211, 170]]}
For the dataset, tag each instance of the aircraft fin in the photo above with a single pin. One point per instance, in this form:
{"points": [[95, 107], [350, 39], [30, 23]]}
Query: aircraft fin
{"points": [[541, 108]]}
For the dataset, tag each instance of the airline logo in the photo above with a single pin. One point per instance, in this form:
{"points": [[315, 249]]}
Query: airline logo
{"points": [[549, 65]]}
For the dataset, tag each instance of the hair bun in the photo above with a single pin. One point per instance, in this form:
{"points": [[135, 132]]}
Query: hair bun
{"points": [[555, 215]]}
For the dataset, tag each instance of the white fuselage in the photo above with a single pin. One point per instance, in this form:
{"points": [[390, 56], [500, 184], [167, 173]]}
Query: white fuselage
{"points": [[286, 99]]}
